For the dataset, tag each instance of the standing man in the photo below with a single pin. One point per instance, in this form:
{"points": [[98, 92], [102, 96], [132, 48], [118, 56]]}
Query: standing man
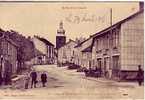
{"points": [[140, 75], [43, 78], [34, 78], [0, 79]]}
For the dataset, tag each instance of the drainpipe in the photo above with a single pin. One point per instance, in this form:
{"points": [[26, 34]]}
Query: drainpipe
{"points": [[111, 40], [1, 57]]}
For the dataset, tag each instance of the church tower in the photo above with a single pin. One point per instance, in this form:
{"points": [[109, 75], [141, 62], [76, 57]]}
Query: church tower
{"points": [[60, 37]]}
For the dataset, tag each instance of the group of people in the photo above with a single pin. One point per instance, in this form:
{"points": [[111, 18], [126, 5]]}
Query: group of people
{"points": [[34, 81]]}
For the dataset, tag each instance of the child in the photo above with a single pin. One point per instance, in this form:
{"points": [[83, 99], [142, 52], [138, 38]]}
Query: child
{"points": [[27, 79], [43, 78]]}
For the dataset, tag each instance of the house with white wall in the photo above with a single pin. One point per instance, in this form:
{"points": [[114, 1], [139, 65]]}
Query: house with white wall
{"points": [[44, 51], [66, 52], [118, 49]]}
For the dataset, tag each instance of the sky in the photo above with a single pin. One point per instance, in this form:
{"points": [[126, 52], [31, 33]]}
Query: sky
{"points": [[80, 19]]}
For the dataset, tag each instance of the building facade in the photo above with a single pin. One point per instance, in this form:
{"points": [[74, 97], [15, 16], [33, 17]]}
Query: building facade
{"points": [[8, 57], [118, 50], [66, 53], [44, 51], [83, 53]]}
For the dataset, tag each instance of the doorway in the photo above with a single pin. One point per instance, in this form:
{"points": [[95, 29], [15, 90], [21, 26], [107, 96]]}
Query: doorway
{"points": [[107, 67], [116, 66]]}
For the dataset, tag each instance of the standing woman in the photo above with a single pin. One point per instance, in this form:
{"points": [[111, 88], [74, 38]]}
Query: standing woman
{"points": [[43, 78]]}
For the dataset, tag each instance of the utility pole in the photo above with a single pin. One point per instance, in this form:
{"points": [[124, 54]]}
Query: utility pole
{"points": [[110, 16], [111, 41]]}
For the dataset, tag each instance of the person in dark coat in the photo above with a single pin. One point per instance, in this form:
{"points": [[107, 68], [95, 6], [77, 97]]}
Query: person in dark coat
{"points": [[1, 80], [43, 78], [34, 78], [140, 75]]}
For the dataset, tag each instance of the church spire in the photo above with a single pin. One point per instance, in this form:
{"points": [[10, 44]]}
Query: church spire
{"points": [[61, 30], [61, 25], [60, 37]]}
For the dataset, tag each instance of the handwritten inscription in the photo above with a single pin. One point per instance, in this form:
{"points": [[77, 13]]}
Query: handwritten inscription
{"points": [[133, 8], [72, 18], [73, 7]]}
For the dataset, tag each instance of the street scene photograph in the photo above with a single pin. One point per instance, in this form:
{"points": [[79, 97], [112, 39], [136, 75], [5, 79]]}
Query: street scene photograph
{"points": [[72, 50]]}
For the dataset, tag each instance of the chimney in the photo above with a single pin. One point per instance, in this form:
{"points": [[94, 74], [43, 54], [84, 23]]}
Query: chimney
{"points": [[141, 5]]}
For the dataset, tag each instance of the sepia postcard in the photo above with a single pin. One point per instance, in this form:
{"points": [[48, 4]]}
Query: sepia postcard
{"points": [[71, 50]]}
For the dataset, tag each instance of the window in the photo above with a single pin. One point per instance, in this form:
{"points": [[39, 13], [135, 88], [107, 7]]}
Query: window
{"points": [[101, 44], [99, 63], [116, 63], [104, 42], [117, 31], [73, 53], [64, 54], [97, 41], [115, 38], [107, 41], [69, 47], [116, 66]]}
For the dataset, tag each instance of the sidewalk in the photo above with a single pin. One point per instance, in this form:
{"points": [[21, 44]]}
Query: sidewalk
{"points": [[127, 89], [133, 84], [122, 83], [17, 83], [100, 79]]}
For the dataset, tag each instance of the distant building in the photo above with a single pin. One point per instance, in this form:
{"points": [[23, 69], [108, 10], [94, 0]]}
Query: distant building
{"points": [[141, 5], [55, 56], [8, 56], [60, 38], [44, 51], [80, 40], [83, 53], [66, 52]]}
